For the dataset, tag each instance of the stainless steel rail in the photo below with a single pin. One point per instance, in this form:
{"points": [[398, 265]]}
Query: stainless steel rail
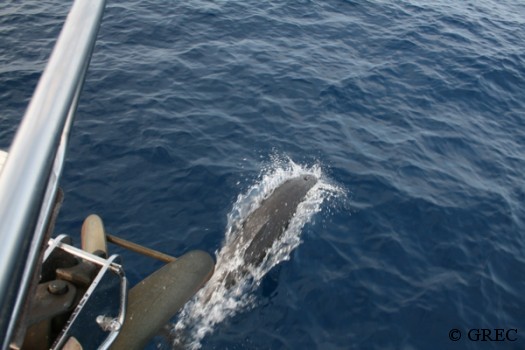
{"points": [[30, 175]]}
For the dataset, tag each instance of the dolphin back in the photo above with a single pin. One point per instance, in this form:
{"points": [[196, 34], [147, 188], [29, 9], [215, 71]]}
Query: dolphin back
{"points": [[268, 222]]}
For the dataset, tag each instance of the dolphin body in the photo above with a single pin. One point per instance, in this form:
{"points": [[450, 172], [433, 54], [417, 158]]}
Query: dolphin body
{"points": [[269, 221], [265, 225]]}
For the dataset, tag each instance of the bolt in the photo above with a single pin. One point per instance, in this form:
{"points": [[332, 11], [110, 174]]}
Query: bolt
{"points": [[57, 287], [108, 324]]}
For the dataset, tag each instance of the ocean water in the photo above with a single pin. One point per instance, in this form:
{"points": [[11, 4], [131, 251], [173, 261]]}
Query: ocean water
{"points": [[413, 110]]}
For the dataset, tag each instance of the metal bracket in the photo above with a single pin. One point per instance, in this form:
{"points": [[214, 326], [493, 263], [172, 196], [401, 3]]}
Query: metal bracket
{"points": [[105, 296]]}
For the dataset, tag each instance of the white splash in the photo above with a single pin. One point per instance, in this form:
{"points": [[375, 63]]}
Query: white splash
{"points": [[217, 301]]}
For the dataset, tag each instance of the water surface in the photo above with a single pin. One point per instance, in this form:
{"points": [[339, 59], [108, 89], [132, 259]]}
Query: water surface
{"points": [[415, 108]]}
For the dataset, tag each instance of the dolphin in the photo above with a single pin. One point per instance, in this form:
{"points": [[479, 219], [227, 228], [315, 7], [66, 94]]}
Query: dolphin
{"points": [[252, 240], [268, 222], [264, 226]]}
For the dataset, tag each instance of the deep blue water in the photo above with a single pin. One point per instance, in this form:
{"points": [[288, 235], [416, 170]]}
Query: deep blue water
{"points": [[415, 108]]}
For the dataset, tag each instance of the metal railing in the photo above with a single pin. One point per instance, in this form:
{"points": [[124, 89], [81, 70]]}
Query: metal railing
{"points": [[29, 179]]}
